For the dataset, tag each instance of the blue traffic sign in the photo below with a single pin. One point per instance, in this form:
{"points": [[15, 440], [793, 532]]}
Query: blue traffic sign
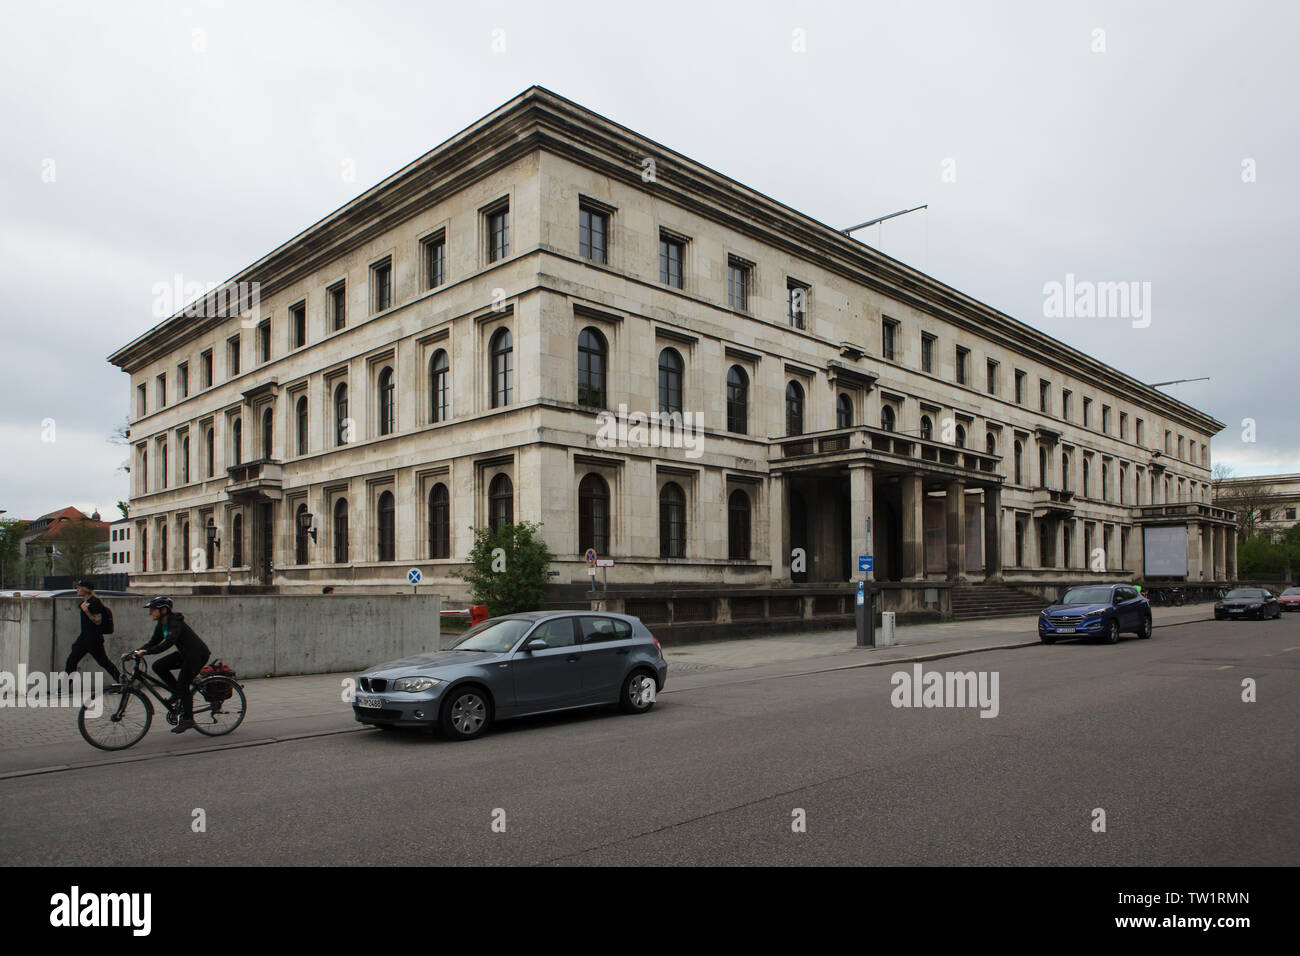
{"points": [[866, 562], [862, 594], [591, 556], [414, 575]]}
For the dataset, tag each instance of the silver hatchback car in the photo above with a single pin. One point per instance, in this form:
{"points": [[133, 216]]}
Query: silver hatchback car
{"points": [[517, 665]]}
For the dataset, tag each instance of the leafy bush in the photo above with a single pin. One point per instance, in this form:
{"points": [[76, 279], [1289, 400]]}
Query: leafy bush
{"points": [[514, 580]]}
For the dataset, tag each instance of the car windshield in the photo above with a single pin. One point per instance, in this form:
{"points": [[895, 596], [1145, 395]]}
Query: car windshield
{"points": [[496, 636], [1292, 592], [1239, 593], [1087, 596]]}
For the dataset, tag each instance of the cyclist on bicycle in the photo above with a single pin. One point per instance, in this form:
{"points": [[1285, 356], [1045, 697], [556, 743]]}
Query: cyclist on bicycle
{"points": [[189, 656]]}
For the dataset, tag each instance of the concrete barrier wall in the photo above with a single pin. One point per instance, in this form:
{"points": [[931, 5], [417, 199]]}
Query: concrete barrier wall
{"points": [[261, 635]]}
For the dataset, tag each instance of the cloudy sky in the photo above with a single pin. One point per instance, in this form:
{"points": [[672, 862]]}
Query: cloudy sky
{"points": [[1109, 141]]}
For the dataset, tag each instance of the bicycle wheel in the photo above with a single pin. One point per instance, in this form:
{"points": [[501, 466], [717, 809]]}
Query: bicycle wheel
{"points": [[219, 706], [113, 720]]}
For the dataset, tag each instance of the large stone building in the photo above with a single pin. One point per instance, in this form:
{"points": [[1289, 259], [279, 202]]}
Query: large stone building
{"points": [[448, 350], [1267, 504]]}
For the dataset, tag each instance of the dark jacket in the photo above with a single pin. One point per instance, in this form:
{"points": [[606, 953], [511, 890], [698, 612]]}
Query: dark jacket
{"points": [[88, 627], [178, 634]]}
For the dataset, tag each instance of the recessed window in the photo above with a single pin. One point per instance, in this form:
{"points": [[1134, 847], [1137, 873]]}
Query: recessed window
{"points": [[592, 355], [1137, 425], [183, 380], [387, 402], [341, 419], [141, 401], [268, 419], [381, 285], [593, 234], [961, 361], [672, 254], [738, 524], [738, 284], [264, 341], [991, 373], [161, 383], [888, 333], [671, 369], [298, 325], [794, 409], [439, 522], [672, 521], [1123, 425], [336, 300], [1105, 419], [737, 400], [387, 527], [888, 420], [927, 352], [205, 369], [796, 303], [498, 233], [1066, 401], [593, 514], [439, 387], [301, 415], [502, 368], [501, 502], [1020, 387], [1044, 395], [232, 356], [927, 428], [435, 260], [341, 531], [843, 411]]}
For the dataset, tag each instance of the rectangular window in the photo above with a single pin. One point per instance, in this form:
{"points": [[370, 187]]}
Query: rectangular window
{"points": [[1020, 387], [264, 341], [796, 294], [888, 332], [1290, 514], [336, 297], [672, 254], [381, 286], [1137, 434], [1044, 395], [141, 401], [738, 284], [161, 391], [593, 232], [960, 363], [1066, 396], [205, 369], [1105, 419], [183, 380], [435, 260], [498, 233], [298, 325], [232, 356], [1168, 441], [1087, 412], [927, 352], [1180, 446], [992, 370]]}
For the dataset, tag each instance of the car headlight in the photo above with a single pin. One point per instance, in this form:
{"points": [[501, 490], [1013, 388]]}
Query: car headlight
{"points": [[414, 685], [1093, 615]]}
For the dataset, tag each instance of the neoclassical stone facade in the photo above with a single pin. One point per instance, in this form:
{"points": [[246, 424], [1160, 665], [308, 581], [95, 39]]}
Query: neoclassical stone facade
{"points": [[448, 350]]}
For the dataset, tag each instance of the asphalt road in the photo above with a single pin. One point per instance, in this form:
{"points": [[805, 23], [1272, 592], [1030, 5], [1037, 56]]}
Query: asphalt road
{"points": [[1155, 733]]}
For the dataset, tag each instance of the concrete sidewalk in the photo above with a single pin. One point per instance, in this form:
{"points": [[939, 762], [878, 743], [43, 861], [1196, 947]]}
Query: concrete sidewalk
{"points": [[308, 705]]}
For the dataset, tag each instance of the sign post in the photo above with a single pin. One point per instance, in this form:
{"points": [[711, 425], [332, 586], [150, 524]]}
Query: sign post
{"points": [[866, 621], [590, 557], [605, 564], [414, 577]]}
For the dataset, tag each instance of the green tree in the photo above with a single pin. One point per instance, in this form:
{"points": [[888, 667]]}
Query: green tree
{"points": [[11, 559], [513, 578], [78, 542], [123, 507], [1260, 557]]}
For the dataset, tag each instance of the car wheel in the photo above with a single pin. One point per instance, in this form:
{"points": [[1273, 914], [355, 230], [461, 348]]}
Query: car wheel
{"points": [[1112, 632], [638, 694], [466, 713], [1144, 631], [1046, 640]]}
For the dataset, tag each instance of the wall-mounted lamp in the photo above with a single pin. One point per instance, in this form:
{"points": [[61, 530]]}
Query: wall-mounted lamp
{"points": [[304, 520], [211, 532]]}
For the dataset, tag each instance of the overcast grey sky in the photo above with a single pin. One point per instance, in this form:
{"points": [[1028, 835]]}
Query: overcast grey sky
{"points": [[148, 139]]}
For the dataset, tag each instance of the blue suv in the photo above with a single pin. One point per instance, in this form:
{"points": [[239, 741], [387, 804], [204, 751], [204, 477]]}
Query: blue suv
{"points": [[1096, 610]]}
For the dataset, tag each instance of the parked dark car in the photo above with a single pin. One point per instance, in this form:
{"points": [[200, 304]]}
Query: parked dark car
{"points": [[513, 666], [1290, 599], [1258, 603], [1096, 610]]}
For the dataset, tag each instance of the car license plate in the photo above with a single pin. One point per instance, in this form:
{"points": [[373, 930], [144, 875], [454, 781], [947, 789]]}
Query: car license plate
{"points": [[1235, 610], [373, 702], [1065, 630]]}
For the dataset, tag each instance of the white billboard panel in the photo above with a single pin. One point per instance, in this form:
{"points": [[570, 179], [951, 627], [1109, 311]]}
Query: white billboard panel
{"points": [[1165, 551]]}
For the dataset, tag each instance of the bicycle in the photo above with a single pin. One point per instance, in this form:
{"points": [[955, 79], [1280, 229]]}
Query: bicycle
{"points": [[126, 713]]}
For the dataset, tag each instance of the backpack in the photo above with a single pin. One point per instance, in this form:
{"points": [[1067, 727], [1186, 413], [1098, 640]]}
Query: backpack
{"points": [[217, 669], [105, 620]]}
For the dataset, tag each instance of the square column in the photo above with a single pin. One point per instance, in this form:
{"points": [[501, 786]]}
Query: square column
{"points": [[913, 528], [1193, 552], [1220, 562], [861, 507], [992, 533], [955, 519], [778, 530], [1230, 546]]}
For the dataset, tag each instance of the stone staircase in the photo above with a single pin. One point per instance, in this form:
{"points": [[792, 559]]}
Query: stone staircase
{"points": [[993, 600]]}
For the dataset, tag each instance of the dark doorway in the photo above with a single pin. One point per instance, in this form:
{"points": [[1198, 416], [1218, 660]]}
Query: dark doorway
{"points": [[266, 531], [887, 532], [798, 535]]}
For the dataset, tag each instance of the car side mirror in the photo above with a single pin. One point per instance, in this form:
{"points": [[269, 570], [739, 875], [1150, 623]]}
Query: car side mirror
{"points": [[537, 645]]}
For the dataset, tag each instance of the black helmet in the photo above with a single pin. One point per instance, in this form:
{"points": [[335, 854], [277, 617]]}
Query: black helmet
{"points": [[160, 601]]}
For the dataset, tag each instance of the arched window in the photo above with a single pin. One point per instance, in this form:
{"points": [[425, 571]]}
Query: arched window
{"points": [[302, 425], [961, 436], [267, 420], [927, 427], [211, 452], [1042, 468], [210, 555], [1123, 477], [439, 522], [843, 411], [439, 387], [1083, 488], [738, 526], [1020, 544], [341, 414], [185, 545], [300, 533], [502, 351], [387, 403], [501, 502], [1105, 482], [237, 541], [991, 443], [144, 471], [387, 527], [672, 521], [1020, 466], [593, 515], [341, 531], [162, 547], [237, 439], [162, 461], [737, 400], [794, 409], [1065, 472], [887, 420], [592, 352], [670, 380], [185, 460]]}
